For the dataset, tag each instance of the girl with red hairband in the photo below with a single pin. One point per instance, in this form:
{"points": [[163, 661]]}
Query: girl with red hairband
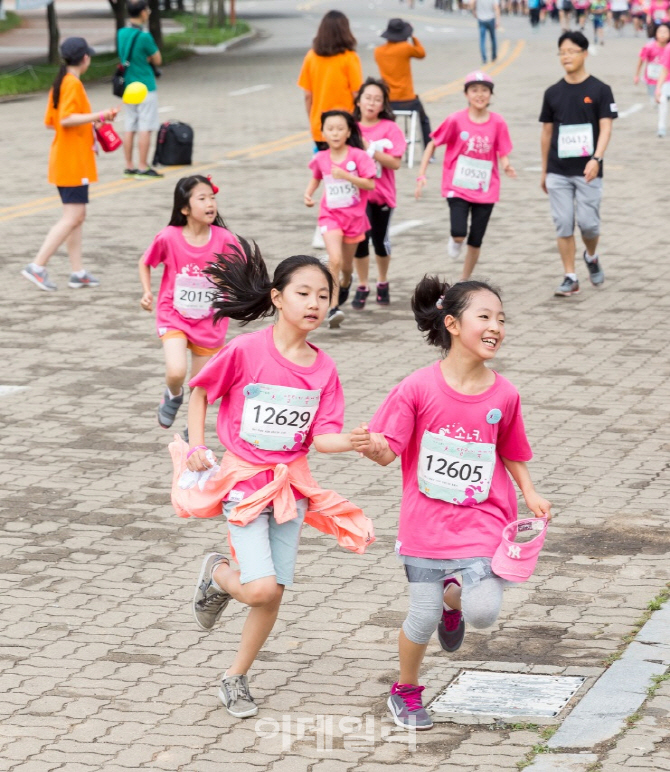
{"points": [[184, 317]]}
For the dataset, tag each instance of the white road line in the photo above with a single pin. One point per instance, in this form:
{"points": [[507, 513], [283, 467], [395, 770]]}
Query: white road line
{"points": [[406, 225], [6, 390], [532, 168], [249, 90], [165, 109], [632, 109]]}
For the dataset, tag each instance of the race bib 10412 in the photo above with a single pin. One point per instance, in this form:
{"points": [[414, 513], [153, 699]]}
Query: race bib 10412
{"points": [[193, 296], [455, 471], [340, 194], [575, 140], [472, 173], [277, 417]]}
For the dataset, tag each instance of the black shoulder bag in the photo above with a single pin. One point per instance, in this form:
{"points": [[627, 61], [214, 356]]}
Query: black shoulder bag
{"points": [[119, 79]]}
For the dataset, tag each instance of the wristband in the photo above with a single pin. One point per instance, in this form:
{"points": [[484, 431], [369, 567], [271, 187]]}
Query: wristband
{"points": [[421, 178], [102, 117], [193, 450]]}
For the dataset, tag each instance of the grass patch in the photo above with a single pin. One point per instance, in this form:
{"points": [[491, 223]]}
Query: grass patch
{"points": [[633, 719], [656, 681], [29, 78], [11, 21], [201, 34]]}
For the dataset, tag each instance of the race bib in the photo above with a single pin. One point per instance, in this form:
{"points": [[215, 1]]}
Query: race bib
{"points": [[654, 71], [340, 194], [455, 471], [193, 296], [277, 417], [575, 140], [378, 170], [472, 174]]}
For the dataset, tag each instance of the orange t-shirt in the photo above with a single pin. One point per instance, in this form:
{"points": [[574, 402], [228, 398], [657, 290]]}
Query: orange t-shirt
{"points": [[393, 60], [332, 81], [71, 159]]}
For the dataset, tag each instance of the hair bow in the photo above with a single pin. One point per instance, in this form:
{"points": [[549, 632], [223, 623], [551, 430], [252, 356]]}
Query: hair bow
{"points": [[214, 188]]}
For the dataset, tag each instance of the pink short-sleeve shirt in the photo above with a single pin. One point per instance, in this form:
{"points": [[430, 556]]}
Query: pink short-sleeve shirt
{"points": [[457, 495], [655, 56], [385, 191]]}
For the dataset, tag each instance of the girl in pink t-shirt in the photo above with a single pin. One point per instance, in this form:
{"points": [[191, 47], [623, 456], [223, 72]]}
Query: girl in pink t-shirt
{"points": [[184, 316], [477, 141], [348, 174], [279, 395], [658, 12], [385, 143], [651, 58], [458, 429]]}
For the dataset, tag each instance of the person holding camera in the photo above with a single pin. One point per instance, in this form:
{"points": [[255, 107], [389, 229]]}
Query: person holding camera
{"points": [[139, 49]]}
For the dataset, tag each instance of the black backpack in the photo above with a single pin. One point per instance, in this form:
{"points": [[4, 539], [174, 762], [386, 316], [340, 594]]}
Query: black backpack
{"points": [[174, 146], [119, 78]]}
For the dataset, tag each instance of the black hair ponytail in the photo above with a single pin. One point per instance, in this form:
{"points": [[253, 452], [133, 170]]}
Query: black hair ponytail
{"points": [[58, 82], [243, 285], [433, 300]]}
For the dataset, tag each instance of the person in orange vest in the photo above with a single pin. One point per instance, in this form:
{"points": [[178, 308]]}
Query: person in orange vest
{"points": [[395, 67]]}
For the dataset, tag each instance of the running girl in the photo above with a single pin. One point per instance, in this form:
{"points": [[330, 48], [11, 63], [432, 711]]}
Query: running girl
{"points": [[348, 174], [279, 395], [651, 58], [451, 524], [184, 316], [477, 141], [658, 12], [385, 143]]}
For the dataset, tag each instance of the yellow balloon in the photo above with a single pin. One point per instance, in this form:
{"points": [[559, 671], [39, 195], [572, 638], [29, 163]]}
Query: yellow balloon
{"points": [[135, 93]]}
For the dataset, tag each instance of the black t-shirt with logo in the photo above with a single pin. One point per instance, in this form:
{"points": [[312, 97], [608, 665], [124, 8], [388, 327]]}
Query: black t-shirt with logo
{"points": [[575, 109]]}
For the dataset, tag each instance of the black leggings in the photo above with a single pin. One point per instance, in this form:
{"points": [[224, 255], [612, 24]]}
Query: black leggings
{"points": [[380, 218], [459, 209]]}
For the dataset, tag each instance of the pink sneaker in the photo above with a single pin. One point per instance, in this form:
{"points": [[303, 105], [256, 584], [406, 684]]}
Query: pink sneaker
{"points": [[451, 630], [406, 707]]}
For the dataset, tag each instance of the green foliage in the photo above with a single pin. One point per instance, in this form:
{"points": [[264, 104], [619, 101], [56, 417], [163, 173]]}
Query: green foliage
{"points": [[11, 21], [202, 34]]}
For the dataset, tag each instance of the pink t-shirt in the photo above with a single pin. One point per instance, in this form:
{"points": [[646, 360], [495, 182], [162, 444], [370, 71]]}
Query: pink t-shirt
{"points": [[342, 201], [658, 10], [654, 54], [384, 192], [186, 294], [457, 495], [470, 168], [271, 408]]}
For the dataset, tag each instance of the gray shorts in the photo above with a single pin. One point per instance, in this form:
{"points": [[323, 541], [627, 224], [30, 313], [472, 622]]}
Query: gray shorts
{"points": [[144, 116], [573, 197], [263, 547]]}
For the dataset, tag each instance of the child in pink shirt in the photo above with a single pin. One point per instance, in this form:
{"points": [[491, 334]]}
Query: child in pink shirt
{"points": [[651, 58], [348, 174], [385, 143], [279, 395], [658, 12], [477, 141], [458, 429], [184, 316]]}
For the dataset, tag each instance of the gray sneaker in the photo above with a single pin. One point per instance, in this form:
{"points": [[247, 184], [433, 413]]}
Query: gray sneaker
{"points": [[407, 708], [334, 318], [596, 273], [77, 282], [209, 602], [235, 695], [41, 279], [567, 288], [167, 410]]}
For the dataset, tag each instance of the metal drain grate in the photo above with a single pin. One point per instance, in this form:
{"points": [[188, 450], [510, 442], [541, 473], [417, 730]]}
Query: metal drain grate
{"points": [[505, 695]]}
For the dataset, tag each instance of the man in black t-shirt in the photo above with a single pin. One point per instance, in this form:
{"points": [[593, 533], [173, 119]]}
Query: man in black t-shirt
{"points": [[576, 117]]}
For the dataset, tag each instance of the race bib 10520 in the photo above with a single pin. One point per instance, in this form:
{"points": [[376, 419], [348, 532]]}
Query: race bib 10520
{"points": [[472, 173]]}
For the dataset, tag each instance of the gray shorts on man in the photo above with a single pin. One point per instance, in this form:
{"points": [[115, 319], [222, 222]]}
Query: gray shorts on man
{"points": [[573, 198]]}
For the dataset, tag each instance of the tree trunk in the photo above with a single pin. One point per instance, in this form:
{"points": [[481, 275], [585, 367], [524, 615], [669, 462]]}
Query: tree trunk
{"points": [[221, 13], [155, 23], [180, 6], [119, 11], [233, 16], [54, 34], [211, 14]]}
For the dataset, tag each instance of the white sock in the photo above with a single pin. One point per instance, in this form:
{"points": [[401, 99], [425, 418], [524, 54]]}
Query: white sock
{"points": [[446, 606], [590, 258], [172, 396], [572, 276], [37, 268], [80, 274]]}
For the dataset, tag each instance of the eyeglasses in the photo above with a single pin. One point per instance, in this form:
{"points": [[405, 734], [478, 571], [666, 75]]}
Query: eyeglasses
{"points": [[570, 52]]}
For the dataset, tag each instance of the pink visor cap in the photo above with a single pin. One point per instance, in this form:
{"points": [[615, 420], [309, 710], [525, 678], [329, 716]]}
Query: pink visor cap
{"points": [[478, 77], [519, 549]]}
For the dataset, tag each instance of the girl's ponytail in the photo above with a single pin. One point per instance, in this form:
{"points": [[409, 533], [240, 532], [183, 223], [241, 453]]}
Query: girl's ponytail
{"points": [[62, 72], [242, 284], [434, 300]]}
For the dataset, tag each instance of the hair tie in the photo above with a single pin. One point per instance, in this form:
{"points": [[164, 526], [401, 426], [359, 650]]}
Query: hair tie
{"points": [[214, 188], [439, 302]]}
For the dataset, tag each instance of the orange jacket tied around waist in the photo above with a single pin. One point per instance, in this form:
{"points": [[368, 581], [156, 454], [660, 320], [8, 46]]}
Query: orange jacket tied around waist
{"points": [[328, 512]]}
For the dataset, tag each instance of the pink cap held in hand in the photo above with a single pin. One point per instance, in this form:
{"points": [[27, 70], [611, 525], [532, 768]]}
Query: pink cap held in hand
{"points": [[516, 560]]}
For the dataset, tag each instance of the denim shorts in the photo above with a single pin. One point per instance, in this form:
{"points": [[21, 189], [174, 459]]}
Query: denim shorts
{"points": [[264, 547]]}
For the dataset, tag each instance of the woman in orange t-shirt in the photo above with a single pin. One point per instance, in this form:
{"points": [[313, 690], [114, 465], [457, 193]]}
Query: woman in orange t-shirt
{"points": [[71, 163], [331, 72]]}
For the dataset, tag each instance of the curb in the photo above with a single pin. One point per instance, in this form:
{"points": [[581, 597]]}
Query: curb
{"points": [[221, 47]]}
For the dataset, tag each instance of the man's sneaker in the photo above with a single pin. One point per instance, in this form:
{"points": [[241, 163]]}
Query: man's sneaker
{"points": [[77, 282], [407, 708], [567, 288], [142, 173], [596, 273], [383, 297], [360, 297], [130, 172], [41, 279], [454, 248], [343, 295], [167, 410], [184, 434], [451, 629], [334, 318], [235, 695], [209, 602]]}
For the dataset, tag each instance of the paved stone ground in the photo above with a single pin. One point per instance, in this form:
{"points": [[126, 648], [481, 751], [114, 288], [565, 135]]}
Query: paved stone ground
{"points": [[101, 666]]}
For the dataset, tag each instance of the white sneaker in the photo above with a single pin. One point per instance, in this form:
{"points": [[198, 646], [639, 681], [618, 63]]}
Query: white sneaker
{"points": [[317, 241], [454, 248]]}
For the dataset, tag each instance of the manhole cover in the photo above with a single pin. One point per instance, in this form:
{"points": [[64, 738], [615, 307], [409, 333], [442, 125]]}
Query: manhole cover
{"points": [[505, 695]]}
